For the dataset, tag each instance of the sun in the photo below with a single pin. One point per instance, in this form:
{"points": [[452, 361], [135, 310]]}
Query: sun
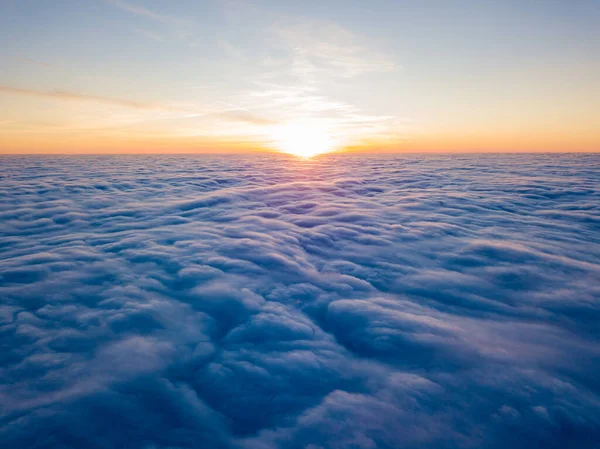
{"points": [[303, 139]]}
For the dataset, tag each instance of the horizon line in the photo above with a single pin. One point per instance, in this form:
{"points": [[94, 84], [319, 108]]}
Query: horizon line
{"points": [[274, 152]]}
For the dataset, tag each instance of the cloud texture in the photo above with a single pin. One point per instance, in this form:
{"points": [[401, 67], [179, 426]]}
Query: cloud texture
{"points": [[265, 302]]}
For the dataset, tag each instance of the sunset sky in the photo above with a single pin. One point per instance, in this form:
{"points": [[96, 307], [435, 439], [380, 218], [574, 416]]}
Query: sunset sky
{"points": [[123, 76]]}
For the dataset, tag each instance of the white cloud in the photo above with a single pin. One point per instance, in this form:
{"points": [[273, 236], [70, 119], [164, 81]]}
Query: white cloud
{"points": [[321, 50]]}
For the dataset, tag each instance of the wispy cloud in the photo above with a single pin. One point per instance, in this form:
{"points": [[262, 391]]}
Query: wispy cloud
{"points": [[247, 117], [322, 49], [170, 26], [299, 61], [141, 11], [71, 96], [219, 119], [150, 35], [33, 61]]}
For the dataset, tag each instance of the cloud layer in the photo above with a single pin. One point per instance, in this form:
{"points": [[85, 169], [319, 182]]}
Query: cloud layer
{"points": [[265, 302]]}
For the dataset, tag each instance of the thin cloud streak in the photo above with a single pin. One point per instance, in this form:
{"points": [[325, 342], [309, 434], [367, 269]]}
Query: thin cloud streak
{"points": [[236, 114], [65, 95], [176, 28], [33, 61], [141, 11]]}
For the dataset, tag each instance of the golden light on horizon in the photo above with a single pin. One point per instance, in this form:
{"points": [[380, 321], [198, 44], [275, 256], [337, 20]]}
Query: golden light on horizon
{"points": [[303, 139]]}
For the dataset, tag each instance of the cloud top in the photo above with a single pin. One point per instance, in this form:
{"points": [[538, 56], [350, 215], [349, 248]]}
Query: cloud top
{"points": [[264, 302]]}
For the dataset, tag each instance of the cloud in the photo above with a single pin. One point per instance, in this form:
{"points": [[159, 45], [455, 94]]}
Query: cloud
{"points": [[246, 117], [286, 79], [142, 11], [322, 50], [167, 27], [298, 63], [169, 119], [71, 96], [267, 302], [33, 61]]}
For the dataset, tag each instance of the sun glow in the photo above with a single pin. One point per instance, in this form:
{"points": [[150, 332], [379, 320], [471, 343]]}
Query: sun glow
{"points": [[303, 139]]}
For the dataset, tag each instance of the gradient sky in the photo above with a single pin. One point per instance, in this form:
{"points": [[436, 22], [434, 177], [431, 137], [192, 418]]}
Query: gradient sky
{"points": [[225, 75]]}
